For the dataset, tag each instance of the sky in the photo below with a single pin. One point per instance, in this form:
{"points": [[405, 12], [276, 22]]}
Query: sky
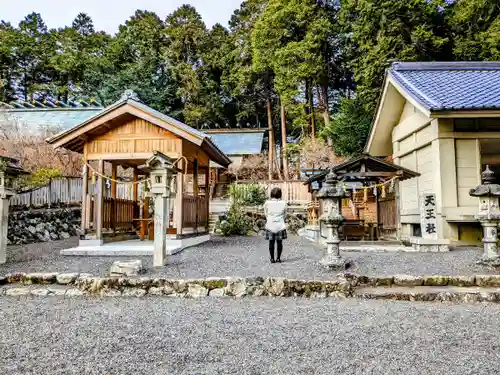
{"points": [[109, 14]]}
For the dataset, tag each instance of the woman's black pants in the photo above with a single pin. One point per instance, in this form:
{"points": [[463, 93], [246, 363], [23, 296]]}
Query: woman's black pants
{"points": [[279, 245]]}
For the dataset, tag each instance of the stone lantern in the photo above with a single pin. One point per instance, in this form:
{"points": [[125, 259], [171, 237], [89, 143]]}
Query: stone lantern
{"points": [[162, 171], [330, 196], [489, 215]]}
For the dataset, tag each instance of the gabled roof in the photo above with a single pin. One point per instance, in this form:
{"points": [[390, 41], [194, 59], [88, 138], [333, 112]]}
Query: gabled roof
{"points": [[35, 119], [74, 138], [238, 142], [449, 86], [372, 166]]}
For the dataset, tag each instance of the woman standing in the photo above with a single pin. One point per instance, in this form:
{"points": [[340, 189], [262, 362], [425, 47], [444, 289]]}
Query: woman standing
{"points": [[275, 210]]}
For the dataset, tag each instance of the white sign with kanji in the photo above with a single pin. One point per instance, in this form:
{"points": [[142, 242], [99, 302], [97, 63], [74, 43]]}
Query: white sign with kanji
{"points": [[428, 216]]}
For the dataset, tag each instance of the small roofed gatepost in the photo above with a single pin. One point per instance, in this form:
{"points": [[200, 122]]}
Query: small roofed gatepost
{"points": [[489, 216], [9, 170], [163, 187]]}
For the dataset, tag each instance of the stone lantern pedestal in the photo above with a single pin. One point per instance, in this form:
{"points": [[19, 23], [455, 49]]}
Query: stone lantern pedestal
{"points": [[162, 172], [489, 216], [330, 196]]}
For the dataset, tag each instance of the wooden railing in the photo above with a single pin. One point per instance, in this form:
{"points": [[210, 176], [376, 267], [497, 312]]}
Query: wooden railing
{"points": [[293, 191], [194, 211], [118, 214]]}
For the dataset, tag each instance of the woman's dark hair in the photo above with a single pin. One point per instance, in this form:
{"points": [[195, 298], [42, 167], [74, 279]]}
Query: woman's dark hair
{"points": [[276, 193]]}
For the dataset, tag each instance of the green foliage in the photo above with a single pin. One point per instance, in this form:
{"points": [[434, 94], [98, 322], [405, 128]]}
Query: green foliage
{"points": [[237, 222], [349, 127], [475, 29], [42, 177], [382, 31], [248, 194], [304, 54]]}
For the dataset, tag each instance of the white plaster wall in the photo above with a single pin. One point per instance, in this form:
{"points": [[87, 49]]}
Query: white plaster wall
{"points": [[468, 169]]}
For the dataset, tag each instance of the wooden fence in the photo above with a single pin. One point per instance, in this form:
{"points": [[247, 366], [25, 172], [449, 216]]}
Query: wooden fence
{"points": [[293, 191], [59, 191], [194, 212], [65, 191]]}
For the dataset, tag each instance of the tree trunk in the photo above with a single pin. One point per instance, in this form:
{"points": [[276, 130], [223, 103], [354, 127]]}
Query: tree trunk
{"points": [[283, 142], [323, 99], [311, 111], [271, 150]]}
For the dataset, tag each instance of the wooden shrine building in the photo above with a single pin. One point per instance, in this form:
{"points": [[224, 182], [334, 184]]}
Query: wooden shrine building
{"points": [[371, 210], [127, 134]]}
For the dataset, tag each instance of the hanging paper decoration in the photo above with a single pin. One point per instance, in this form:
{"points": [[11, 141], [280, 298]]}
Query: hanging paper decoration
{"points": [[375, 192], [383, 191], [93, 178], [365, 195], [391, 186]]}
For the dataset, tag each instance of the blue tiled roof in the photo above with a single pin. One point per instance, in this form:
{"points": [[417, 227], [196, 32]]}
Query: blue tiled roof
{"points": [[244, 143], [57, 119], [440, 86]]}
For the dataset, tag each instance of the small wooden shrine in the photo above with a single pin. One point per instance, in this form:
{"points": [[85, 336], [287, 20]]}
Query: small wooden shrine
{"points": [[126, 135], [371, 210]]}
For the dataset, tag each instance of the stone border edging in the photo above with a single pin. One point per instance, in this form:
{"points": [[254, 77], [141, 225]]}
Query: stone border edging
{"points": [[85, 284], [428, 280], [341, 286]]}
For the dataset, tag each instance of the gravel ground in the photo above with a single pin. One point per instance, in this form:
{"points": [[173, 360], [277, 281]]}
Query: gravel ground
{"points": [[248, 336], [248, 256]]}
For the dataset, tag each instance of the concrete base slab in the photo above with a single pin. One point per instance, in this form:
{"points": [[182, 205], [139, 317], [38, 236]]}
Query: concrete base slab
{"points": [[135, 247], [426, 245]]}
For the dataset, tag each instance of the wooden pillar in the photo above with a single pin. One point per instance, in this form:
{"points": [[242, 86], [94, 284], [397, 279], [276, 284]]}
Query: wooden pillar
{"points": [[196, 189], [85, 184], [113, 196], [196, 193], [178, 197], [100, 201], [135, 192], [113, 182], [207, 196]]}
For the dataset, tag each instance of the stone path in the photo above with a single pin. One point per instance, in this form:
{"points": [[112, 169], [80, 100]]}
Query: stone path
{"points": [[248, 256], [144, 336]]}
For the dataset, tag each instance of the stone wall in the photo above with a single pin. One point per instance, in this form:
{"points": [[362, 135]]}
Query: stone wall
{"points": [[43, 225]]}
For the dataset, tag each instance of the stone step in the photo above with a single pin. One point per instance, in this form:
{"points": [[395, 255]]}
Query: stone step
{"points": [[430, 293]]}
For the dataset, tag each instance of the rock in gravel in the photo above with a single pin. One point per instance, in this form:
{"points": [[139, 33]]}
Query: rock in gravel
{"points": [[15, 277], [408, 280], [126, 268], [488, 280], [236, 287], [14, 292], [219, 292], [40, 278], [436, 280], [39, 292], [156, 291], [462, 280], [66, 278], [74, 292], [196, 291], [133, 292]]}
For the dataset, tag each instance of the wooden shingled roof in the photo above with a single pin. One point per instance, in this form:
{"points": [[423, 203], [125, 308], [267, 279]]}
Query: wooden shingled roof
{"points": [[365, 167]]}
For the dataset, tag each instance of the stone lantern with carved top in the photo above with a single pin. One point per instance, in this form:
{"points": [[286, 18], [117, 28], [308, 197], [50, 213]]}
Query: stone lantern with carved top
{"points": [[330, 196], [488, 215], [161, 171]]}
